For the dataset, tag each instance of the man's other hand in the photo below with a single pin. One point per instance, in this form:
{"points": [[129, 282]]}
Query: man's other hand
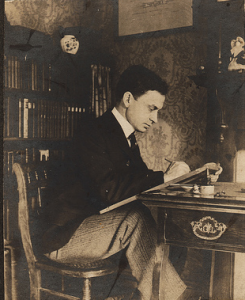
{"points": [[214, 177], [177, 169]]}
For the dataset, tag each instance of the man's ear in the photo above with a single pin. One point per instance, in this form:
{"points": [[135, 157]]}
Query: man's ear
{"points": [[127, 98]]}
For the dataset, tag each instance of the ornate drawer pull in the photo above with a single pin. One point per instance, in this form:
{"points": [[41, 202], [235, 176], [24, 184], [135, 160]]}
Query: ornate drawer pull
{"points": [[208, 228]]}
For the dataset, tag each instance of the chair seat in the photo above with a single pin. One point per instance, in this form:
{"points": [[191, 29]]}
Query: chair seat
{"points": [[84, 269]]}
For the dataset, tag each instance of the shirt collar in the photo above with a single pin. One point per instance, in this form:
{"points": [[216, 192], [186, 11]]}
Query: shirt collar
{"points": [[126, 126]]}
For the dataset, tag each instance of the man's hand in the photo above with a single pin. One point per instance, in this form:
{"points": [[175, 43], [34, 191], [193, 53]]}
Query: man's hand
{"points": [[177, 169], [212, 178]]}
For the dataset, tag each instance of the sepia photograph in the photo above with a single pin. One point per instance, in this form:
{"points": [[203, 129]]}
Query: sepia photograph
{"points": [[123, 149]]}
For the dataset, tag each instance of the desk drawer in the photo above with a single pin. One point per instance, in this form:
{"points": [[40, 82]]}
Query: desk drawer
{"points": [[204, 229]]}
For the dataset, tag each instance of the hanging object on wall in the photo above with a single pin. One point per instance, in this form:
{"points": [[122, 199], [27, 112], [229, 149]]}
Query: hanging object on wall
{"points": [[237, 59], [69, 44], [27, 46], [223, 125]]}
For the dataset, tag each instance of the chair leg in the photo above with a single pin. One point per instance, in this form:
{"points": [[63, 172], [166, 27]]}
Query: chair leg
{"points": [[87, 289], [35, 284]]}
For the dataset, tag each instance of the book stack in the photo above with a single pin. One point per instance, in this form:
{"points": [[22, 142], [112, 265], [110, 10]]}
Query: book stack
{"points": [[26, 75], [101, 90]]}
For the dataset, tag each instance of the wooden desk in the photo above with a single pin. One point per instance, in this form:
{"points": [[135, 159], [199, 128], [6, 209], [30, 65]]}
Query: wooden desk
{"points": [[212, 222]]}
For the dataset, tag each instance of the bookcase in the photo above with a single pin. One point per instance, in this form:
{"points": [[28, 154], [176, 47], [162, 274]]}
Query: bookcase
{"points": [[41, 116]]}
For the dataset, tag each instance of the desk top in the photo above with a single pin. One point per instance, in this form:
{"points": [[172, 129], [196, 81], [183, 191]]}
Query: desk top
{"points": [[233, 200]]}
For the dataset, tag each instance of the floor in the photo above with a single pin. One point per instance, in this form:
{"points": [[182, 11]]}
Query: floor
{"points": [[192, 265]]}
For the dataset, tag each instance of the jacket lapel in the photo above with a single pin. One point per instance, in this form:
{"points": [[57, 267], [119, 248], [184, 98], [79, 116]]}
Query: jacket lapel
{"points": [[116, 133]]}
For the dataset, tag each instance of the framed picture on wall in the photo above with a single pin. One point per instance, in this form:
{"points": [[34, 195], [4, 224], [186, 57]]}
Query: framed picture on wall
{"points": [[142, 16]]}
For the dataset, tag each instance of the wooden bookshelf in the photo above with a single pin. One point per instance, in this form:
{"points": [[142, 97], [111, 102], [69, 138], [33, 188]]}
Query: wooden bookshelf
{"points": [[42, 115], [30, 108], [39, 113]]}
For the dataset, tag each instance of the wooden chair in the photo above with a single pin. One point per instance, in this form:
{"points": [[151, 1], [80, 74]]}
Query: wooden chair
{"points": [[30, 181]]}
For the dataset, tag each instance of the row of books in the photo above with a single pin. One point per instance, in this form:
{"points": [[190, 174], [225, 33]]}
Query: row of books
{"points": [[41, 118], [101, 90], [26, 74], [26, 117], [29, 155]]}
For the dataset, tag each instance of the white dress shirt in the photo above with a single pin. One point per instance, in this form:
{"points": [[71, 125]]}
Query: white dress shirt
{"points": [[126, 126]]}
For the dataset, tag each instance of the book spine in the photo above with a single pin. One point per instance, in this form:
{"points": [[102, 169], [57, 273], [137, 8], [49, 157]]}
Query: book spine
{"points": [[68, 121], [31, 120], [16, 73], [24, 76], [92, 110], [100, 90], [41, 118], [25, 118], [8, 123], [108, 87], [35, 77], [35, 118], [32, 76], [20, 118], [72, 121], [48, 118], [52, 119], [62, 121], [79, 115], [96, 88], [104, 94], [5, 71], [43, 77], [12, 71], [20, 68], [27, 156], [9, 72], [38, 118], [49, 77], [59, 119], [45, 127], [28, 75]]}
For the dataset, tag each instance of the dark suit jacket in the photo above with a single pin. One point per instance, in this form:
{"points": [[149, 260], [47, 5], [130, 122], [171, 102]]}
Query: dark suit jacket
{"points": [[106, 171]]}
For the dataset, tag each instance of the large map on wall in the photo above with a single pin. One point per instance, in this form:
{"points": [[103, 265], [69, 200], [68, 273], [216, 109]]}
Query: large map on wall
{"points": [[140, 16]]}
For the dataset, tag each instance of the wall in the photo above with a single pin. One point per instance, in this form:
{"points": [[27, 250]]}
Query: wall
{"points": [[181, 131]]}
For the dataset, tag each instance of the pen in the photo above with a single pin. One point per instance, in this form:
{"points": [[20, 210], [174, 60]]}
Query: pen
{"points": [[171, 163]]}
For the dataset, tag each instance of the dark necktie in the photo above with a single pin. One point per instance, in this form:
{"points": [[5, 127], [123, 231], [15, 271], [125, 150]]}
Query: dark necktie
{"points": [[132, 141], [135, 150]]}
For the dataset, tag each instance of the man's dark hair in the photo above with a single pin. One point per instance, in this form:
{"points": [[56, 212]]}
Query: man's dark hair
{"points": [[138, 80]]}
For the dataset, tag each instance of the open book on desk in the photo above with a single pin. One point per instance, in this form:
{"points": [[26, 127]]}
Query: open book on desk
{"points": [[195, 176]]}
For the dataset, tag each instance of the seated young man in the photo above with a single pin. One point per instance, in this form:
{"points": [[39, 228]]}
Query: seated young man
{"points": [[111, 169]]}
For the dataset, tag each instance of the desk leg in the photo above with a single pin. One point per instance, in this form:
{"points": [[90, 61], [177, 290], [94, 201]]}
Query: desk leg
{"points": [[161, 252], [211, 285], [239, 276], [222, 276], [167, 283]]}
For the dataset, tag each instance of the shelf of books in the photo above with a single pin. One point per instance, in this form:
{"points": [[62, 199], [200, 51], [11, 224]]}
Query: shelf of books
{"points": [[31, 110], [40, 118], [27, 118], [26, 74]]}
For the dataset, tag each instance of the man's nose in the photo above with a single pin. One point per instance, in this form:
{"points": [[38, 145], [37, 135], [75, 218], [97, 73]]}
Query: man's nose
{"points": [[153, 117]]}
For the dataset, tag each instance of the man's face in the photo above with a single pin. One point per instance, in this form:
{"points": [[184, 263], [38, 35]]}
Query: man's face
{"points": [[142, 113]]}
